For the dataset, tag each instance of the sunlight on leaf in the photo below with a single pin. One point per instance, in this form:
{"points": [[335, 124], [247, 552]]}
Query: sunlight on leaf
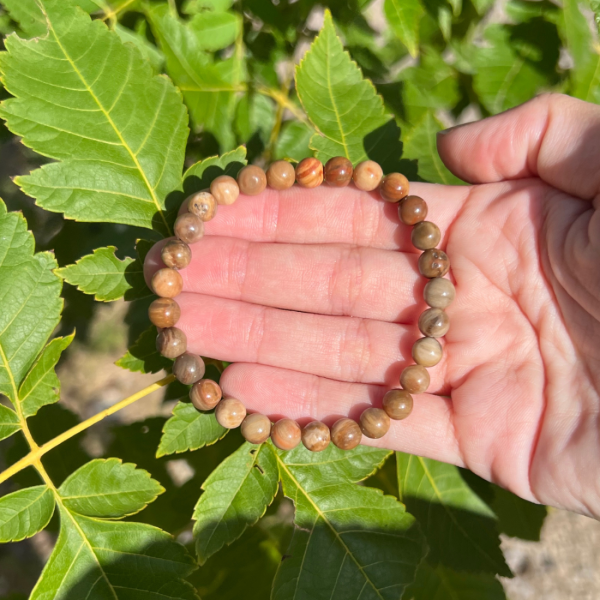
{"points": [[24, 513]]}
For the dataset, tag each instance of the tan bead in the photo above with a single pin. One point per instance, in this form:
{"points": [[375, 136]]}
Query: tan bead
{"points": [[415, 379], [412, 210], [425, 235], [225, 189], [176, 254], [398, 404], [434, 263], [427, 352], [367, 175], [394, 187], [230, 413], [164, 312], [167, 283], [338, 171], [434, 322], [281, 175], [439, 292], [189, 228], [171, 342], [316, 436], [286, 434], [374, 423], [203, 205], [256, 428], [189, 368], [206, 394], [309, 172], [252, 180], [346, 434]]}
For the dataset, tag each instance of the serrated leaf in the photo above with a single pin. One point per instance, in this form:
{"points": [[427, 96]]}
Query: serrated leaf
{"points": [[350, 541], [120, 151], [293, 141], [216, 29], [236, 495], [42, 386], [189, 429], [404, 17], [460, 528], [143, 357], [109, 489], [9, 422], [24, 513], [201, 174], [517, 517]]}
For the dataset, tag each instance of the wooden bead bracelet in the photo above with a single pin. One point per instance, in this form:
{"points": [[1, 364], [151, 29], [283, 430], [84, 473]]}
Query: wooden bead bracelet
{"points": [[189, 368]]}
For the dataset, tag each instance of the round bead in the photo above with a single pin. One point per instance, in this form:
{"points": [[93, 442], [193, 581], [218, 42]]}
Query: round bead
{"points": [[439, 292], [176, 254], [427, 352], [346, 434], [397, 404], [316, 436], [230, 413], [189, 368], [281, 175], [393, 187], [434, 263], [171, 342], [426, 235], [415, 379], [252, 180], [367, 175], [338, 171], [412, 210], [309, 172], [167, 283], [189, 228], [374, 423], [434, 322], [164, 312], [206, 394], [286, 434], [256, 428], [225, 189], [203, 205]]}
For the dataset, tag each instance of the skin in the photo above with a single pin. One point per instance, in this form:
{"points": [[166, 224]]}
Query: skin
{"points": [[516, 397]]}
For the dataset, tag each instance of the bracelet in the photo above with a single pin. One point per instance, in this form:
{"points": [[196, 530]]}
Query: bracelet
{"points": [[189, 368]]}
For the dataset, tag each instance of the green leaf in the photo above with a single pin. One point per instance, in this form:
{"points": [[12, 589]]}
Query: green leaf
{"points": [[404, 17], [189, 429], [42, 386], [109, 489], [350, 541], [191, 7], [24, 513], [517, 517], [236, 495], [293, 141], [201, 174], [120, 152], [254, 114], [460, 528], [216, 30], [149, 51], [9, 422], [143, 357]]}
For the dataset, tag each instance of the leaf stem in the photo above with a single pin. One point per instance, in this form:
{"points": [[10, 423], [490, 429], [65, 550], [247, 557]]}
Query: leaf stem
{"points": [[282, 99]]}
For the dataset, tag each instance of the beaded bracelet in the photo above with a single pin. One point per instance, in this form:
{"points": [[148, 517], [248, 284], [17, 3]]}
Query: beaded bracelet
{"points": [[189, 368]]}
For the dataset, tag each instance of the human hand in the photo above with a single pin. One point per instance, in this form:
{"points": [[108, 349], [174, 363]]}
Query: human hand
{"points": [[315, 294]]}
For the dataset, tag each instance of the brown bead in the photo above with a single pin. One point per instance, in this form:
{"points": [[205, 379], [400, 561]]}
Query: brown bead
{"points": [[286, 434], [398, 404], [439, 292], [309, 172], [203, 205], [412, 210], [171, 342], [374, 423], [206, 394], [189, 368], [367, 175], [230, 413], [225, 189], [164, 312], [425, 235], [338, 171], [394, 187], [316, 436], [427, 352], [167, 283], [252, 180], [256, 428], [415, 379], [176, 254], [434, 263], [346, 434], [189, 228], [434, 322], [281, 175]]}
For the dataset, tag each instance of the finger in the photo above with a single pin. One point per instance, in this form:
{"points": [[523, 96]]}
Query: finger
{"points": [[279, 392], [553, 137]]}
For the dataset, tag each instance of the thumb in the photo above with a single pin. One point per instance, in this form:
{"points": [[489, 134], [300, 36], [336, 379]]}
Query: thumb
{"points": [[553, 137]]}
